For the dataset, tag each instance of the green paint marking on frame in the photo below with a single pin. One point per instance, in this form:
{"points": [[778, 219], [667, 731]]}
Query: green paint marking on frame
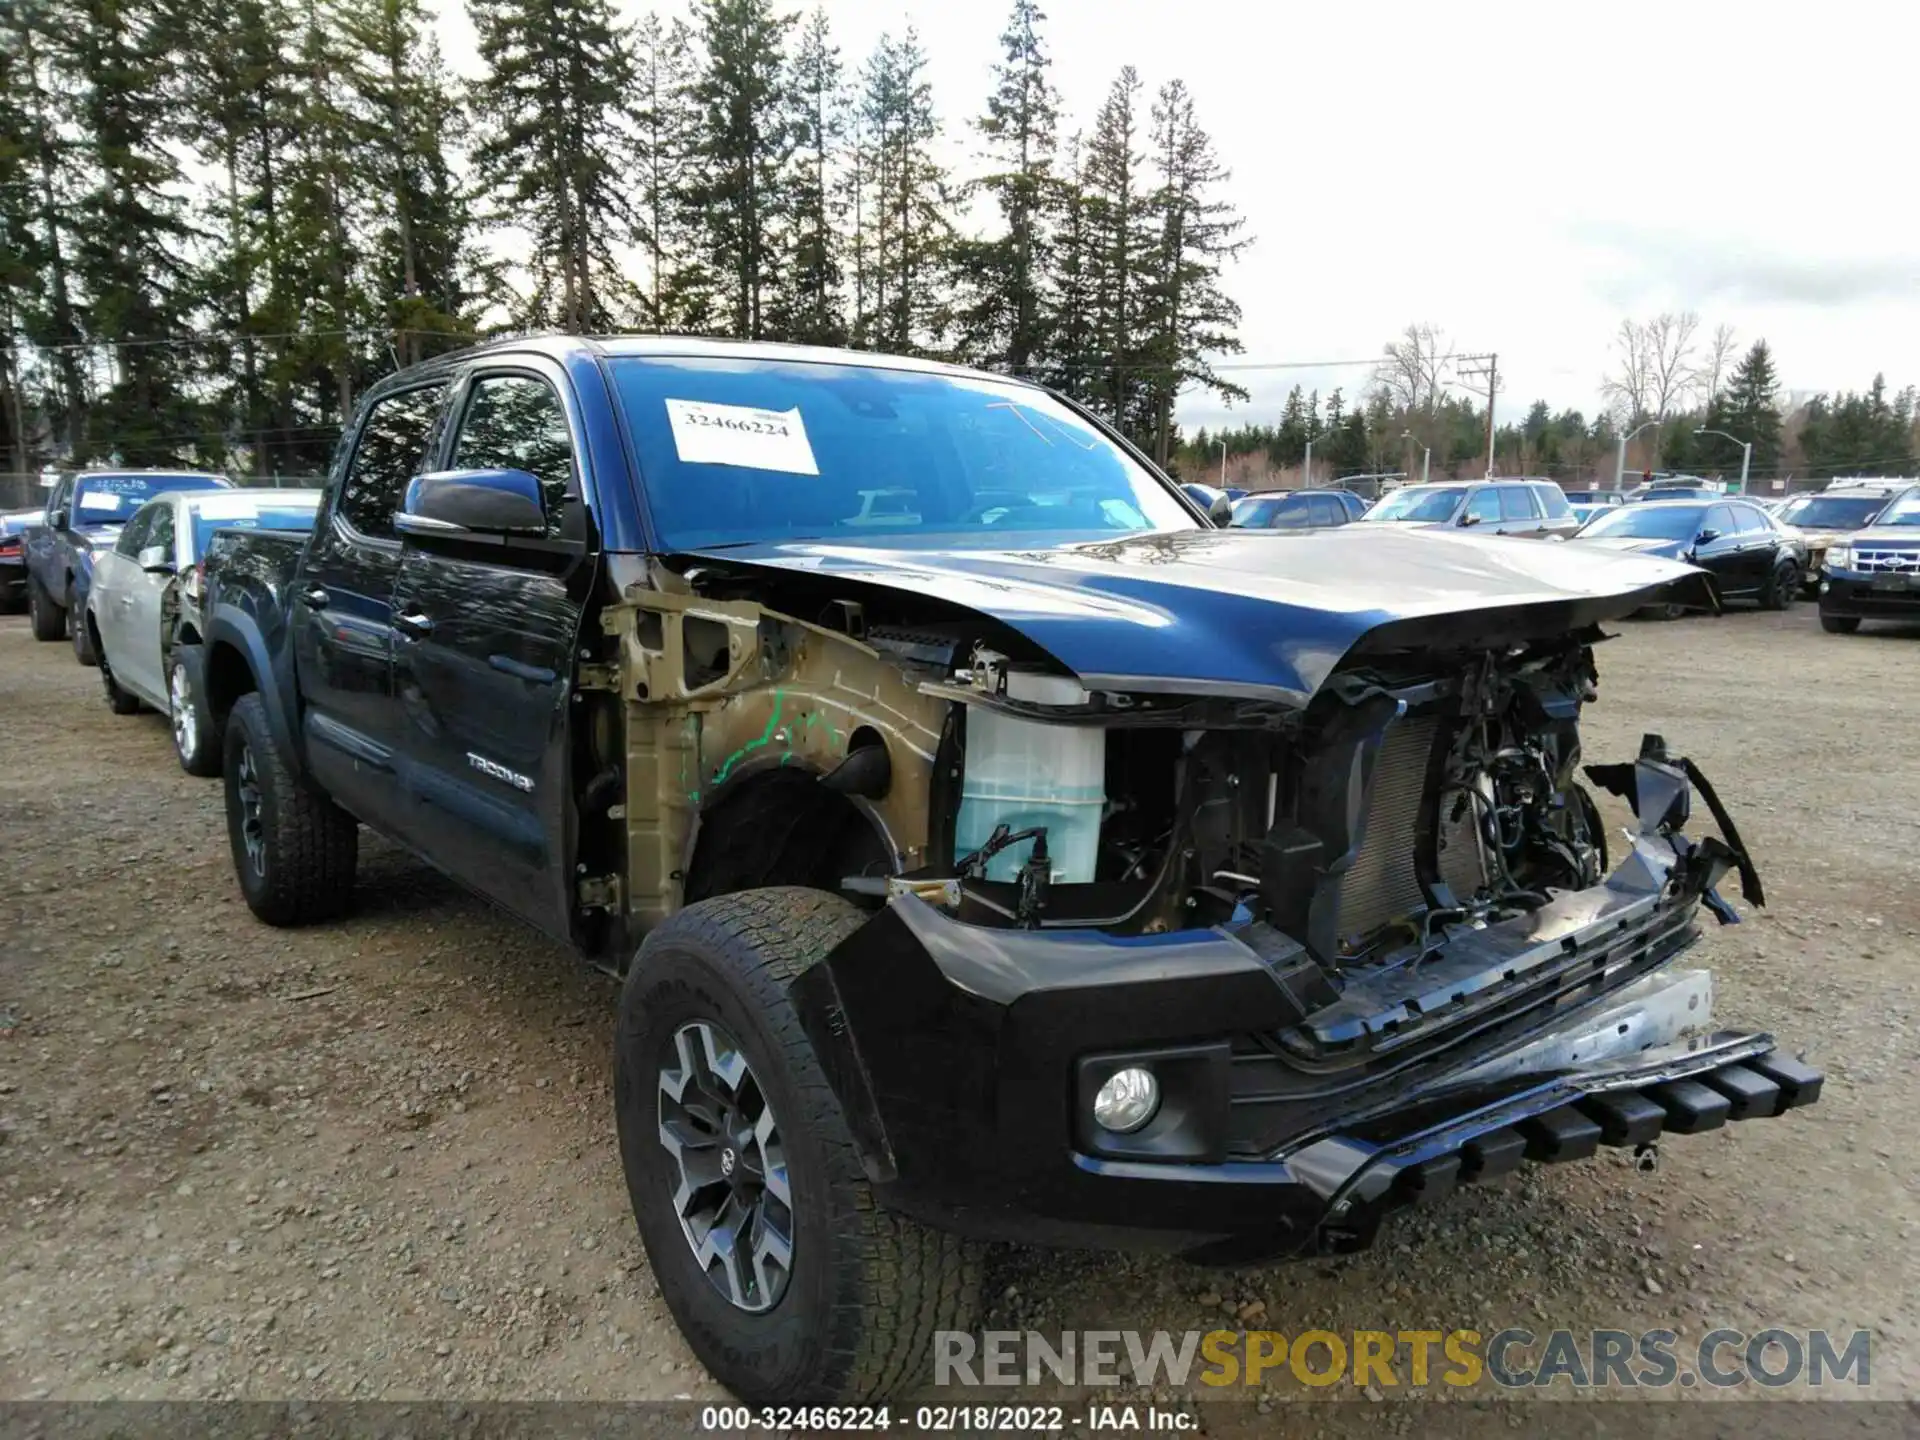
{"points": [[765, 737]]}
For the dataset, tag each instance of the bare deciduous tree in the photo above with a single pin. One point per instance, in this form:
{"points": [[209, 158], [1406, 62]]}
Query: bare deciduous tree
{"points": [[1413, 369], [1719, 353], [1654, 367]]}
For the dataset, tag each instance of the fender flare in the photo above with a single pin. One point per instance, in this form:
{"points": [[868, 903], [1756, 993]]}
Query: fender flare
{"points": [[232, 626]]}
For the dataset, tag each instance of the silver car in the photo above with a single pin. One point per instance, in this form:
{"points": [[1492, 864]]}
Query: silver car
{"points": [[135, 600], [1535, 509]]}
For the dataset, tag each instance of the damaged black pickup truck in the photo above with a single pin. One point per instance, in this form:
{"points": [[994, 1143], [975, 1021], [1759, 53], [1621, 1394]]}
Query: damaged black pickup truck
{"points": [[992, 847]]}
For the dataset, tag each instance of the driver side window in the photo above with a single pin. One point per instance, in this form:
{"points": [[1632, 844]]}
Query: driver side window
{"points": [[160, 532], [1484, 506], [515, 422], [134, 537], [1719, 519]]}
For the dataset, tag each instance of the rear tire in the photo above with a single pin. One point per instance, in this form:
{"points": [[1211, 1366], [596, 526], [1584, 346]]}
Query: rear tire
{"points": [[85, 648], [854, 1314], [1839, 624], [120, 702], [294, 850], [196, 738], [49, 621]]}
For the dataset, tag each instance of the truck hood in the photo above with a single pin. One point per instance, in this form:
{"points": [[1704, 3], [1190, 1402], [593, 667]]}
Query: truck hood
{"points": [[1898, 536], [1268, 616]]}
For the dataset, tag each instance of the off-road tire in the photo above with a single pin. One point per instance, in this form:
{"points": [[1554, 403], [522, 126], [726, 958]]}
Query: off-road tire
{"points": [[48, 620], [120, 702], [80, 628], [1839, 624], [868, 1288], [206, 759], [1783, 587], [308, 844]]}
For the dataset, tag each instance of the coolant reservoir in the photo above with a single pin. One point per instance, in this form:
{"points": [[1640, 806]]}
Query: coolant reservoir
{"points": [[1023, 774]]}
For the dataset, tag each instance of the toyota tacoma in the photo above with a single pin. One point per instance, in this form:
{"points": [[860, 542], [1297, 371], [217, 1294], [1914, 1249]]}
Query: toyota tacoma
{"points": [[1026, 858]]}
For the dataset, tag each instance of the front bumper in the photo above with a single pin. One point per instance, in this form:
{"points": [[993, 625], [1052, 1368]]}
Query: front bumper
{"points": [[964, 1058], [1865, 597]]}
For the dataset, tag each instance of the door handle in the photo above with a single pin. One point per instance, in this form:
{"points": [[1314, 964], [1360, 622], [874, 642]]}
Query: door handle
{"points": [[316, 598], [415, 626]]}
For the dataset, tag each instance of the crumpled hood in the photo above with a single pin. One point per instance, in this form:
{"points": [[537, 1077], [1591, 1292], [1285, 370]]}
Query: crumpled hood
{"points": [[1269, 616]]}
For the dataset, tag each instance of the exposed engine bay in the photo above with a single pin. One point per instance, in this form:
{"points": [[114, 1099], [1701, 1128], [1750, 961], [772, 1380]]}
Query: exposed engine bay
{"points": [[1407, 798]]}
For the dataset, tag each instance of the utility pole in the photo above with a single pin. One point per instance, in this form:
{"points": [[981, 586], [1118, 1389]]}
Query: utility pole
{"points": [[1487, 367]]}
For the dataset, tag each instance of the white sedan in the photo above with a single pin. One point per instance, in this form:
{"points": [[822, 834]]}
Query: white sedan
{"points": [[133, 605]]}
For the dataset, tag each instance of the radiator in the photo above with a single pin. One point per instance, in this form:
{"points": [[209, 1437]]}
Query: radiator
{"points": [[1382, 883]]}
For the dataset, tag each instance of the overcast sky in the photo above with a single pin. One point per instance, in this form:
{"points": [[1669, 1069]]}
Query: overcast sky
{"points": [[1523, 176]]}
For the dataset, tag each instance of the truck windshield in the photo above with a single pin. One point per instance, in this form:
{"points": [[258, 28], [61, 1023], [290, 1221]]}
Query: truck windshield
{"points": [[109, 499], [1904, 511], [743, 451], [1429, 503]]}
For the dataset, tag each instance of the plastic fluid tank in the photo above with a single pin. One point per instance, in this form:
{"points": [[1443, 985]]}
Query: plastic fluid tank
{"points": [[1021, 774]]}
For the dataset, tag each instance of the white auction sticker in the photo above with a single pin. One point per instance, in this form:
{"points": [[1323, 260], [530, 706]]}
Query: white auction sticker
{"points": [[99, 500], [707, 434]]}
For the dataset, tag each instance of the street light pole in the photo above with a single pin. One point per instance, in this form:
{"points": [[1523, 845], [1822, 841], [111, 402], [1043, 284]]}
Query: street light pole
{"points": [[1223, 464], [1426, 454], [1620, 460], [1306, 468], [1746, 452]]}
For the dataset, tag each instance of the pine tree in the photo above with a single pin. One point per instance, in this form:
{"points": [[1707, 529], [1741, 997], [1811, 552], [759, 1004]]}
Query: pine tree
{"points": [[23, 258], [1190, 318], [1004, 322], [747, 128], [1747, 408], [130, 231], [678, 294], [426, 279], [812, 310], [45, 188], [1068, 317], [1120, 248], [239, 117], [911, 226], [555, 139]]}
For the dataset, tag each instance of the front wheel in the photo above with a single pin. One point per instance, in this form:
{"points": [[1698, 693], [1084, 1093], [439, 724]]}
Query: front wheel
{"points": [[293, 849], [1783, 588], [787, 1279], [48, 620], [195, 739], [1839, 624]]}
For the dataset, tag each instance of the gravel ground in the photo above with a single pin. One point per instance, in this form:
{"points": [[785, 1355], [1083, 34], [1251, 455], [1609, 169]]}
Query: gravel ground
{"points": [[376, 1158]]}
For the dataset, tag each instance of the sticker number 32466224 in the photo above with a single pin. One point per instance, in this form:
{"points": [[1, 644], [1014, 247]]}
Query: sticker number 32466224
{"points": [[741, 435]]}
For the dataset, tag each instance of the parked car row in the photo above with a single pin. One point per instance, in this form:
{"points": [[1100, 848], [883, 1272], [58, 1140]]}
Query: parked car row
{"points": [[114, 563], [1771, 553]]}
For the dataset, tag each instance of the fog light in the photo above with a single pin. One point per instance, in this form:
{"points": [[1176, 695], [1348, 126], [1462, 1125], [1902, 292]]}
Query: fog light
{"points": [[1127, 1101]]}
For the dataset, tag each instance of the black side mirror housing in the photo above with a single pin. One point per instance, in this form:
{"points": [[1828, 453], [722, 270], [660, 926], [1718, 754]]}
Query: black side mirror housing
{"points": [[473, 502], [58, 519], [1706, 537]]}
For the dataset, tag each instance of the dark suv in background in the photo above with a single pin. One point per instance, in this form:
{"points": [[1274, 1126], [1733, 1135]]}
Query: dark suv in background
{"points": [[1535, 509]]}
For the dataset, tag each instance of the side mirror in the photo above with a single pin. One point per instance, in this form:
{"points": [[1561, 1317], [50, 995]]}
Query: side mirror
{"points": [[154, 560], [473, 502], [1221, 511], [1706, 537], [1469, 519], [58, 519]]}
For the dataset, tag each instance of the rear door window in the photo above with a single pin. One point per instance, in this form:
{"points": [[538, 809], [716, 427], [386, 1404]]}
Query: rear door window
{"points": [[391, 450], [1517, 503], [1553, 500]]}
